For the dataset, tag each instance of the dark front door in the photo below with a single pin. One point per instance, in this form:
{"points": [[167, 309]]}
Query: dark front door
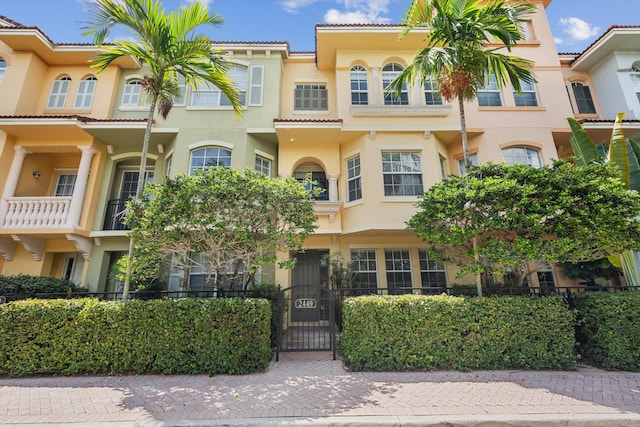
{"points": [[307, 278]]}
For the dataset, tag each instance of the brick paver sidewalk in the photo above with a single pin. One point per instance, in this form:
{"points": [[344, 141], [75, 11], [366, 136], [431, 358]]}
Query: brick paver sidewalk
{"points": [[307, 388]]}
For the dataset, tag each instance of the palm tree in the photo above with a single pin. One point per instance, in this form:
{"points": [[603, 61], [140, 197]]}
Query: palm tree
{"points": [[456, 55], [167, 44]]}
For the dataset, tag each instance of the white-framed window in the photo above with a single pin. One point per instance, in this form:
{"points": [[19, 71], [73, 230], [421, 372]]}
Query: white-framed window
{"points": [[208, 95], [209, 157], [201, 268], [432, 94], [354, 180], [132, 93], [389, 73], [58, 94], [634, 75], [262, 164], [522, 155], [181, 98], [169, 165], [489, 95], [84, 96], [129, 184], [433, 274], [443, 166], [256, 90], [3, 68], [402, 173], [364, 265], [398, 266], [584, 100], [461, 166], [528, 97], [65, 183], [546, 278], [313, 97], [358, 78]]}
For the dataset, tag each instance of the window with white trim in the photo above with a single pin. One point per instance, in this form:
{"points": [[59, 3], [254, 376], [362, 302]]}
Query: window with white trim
{"points": [[432, 94], [65, 183], [129, 185], [84, 96], [181, 98], [58, 94], [546, 279], [3, 68], [359, 85], [462, 169], [208, 95], [201, 268], [354, 181], [209, 157], [634, 74], [262, 164], [522, 155], [433, 274], [389, 73], [131, 95], [443, 167], [489, 95], [584, 100], [528, 97], [402, 173], [312, 97], [398, 267], [256, 85], [363, 264]]}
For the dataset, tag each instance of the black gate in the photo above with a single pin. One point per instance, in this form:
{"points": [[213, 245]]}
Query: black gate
{"points": [[307, 319]]}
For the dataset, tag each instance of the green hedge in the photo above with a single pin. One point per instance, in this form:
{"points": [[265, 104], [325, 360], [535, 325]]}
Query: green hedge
{"points": [[38, 284], [608, 331], [411, 332], [164, 336]]}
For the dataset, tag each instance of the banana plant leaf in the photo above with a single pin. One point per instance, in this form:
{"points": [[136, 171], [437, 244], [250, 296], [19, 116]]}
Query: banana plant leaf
{"points": [[618, 151], [584, 149]]}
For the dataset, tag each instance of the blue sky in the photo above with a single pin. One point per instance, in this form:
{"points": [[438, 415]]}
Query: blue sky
{"points": [[574, 23]]}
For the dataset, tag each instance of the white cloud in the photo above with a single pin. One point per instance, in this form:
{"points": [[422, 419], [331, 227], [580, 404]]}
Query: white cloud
{"points": [[558, 40], [204, 2], [359, 12], [292, 6], [577, 29]]}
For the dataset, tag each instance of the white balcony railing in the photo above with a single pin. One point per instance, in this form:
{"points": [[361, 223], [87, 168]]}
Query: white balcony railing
{"points": [[37, 212]]}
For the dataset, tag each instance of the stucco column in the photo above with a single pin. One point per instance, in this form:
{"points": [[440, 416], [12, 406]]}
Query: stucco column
{"points": [[376, 86], [12, 180], [79, 189], [333, 187]]}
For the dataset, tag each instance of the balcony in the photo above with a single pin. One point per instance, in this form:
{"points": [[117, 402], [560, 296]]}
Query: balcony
{"points": [[37, 212], [115, 215]]}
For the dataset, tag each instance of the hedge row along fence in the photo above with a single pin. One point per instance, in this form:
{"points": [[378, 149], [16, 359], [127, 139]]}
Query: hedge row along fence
{"points": [[166, 336], [414, 332], [608, 330]]}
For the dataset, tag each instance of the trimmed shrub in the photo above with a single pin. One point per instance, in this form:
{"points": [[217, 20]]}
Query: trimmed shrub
{"points": [[166, 336], [415, 332], [39, 284], [608, 328]]}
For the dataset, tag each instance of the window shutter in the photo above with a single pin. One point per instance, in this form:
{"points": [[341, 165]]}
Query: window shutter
{"points": [[257, 78]]}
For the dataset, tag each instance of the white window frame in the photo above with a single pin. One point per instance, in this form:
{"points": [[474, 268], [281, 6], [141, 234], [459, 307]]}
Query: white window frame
{"points": [[207, 95], [311, 97], [398, 262], [132, 93], [432, 94], [634, 75], [490, 95], [180, 99], [65, 184], [207, 154], [428, 268], [84, 96], [514, 155], [528, 97], [359, 85], [58, 95], [354, 179], [3, 68], [396, 165], [263, 164], [364, 262], [256, 86], [389, 72], [461, 166]]}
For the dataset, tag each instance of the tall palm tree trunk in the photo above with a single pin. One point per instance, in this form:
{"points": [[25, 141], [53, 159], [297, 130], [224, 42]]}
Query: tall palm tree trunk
{"points": [[139, 188]]}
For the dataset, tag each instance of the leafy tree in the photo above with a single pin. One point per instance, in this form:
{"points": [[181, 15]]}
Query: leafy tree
{"points": [[221, 217], [509, 218], [457, 55], [168, 45]]}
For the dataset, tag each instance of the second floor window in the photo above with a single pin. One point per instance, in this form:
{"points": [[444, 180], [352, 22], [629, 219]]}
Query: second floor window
{"points": [[489, 95], [65, 183], [432, 92], [584, 101], [634, 74], [3, 68], [58, 94], [311, 97], [84, 96], [210, 157], [522, 155], [389, 73], [359, 85], [354, 183], [263, 165], [132, 93], [402, 173], [528, 97], [208, 95]]}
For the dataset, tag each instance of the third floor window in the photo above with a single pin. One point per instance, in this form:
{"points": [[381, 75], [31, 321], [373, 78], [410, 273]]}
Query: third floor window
{"points": [[58, 94], [389, 73], [311, 97], [584, 101], [359, 85], [84, 96]]}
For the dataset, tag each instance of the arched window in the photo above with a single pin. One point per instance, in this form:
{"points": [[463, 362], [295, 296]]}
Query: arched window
{"points": [[131, 93], [359, 85], [84, 97], [522, 155], [584, 101], [58, 94], [313, 177], [3, 68], [634, 74], [389, 73], [209, 157]]}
